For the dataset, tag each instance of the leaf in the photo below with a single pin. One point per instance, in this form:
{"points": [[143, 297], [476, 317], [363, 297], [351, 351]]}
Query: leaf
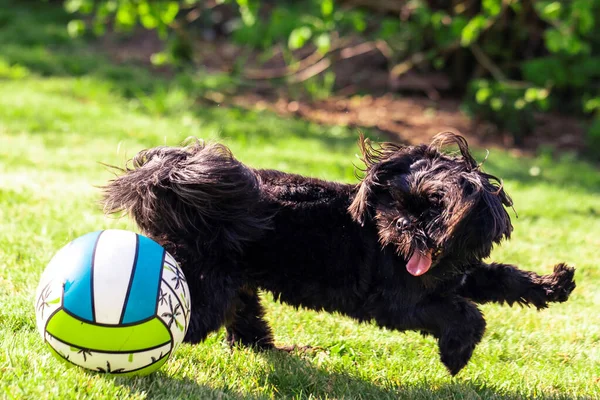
{"points": [[554, 40], [247, 17], [144, 8], [111, 5], [149, 21], [471, 31], [482, 95], [248, 11], [76, 28], [549, 10], [326, 8], [358, 21], [520, 104], [81, 6], [543, 94], [591, 105], [160, 58], [531, 95], [586, 23], [496, 104], [298, 37], [323, 43], [72, 6], [126, 15], [492, 7], [169, 12]]}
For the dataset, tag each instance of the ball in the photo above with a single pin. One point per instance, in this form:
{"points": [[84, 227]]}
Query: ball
{"points": [[113, 301]]}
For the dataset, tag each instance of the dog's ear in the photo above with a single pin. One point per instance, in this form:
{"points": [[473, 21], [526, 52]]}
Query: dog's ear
{"points": [[375, 171], [444, 139], [359, 209]]}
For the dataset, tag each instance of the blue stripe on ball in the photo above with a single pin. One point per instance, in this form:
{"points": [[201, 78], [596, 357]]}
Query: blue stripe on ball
{"points": [[143, 293], [78, 278]]}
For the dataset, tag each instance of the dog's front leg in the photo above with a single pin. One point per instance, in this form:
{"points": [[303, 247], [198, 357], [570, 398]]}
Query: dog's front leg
{"points": [[456, 322], [212, 296], [213, 285], [460, 326], [506, 283]]}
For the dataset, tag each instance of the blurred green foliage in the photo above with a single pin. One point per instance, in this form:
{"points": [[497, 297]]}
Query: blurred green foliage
{"points": [[509, 58]]}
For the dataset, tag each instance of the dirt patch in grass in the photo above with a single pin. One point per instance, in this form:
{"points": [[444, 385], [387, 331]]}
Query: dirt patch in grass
{"points": [[415, 119]]}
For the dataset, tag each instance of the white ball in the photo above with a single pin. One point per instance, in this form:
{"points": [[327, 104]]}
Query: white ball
{"points": [[113, 301]]}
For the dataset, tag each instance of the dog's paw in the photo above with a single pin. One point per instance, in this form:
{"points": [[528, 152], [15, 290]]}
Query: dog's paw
{"points": [[455, 353], [559, 284], [457, 345]]}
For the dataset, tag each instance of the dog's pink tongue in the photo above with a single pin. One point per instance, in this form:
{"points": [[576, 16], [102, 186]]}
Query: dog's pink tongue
{"points": [[419, 263]]}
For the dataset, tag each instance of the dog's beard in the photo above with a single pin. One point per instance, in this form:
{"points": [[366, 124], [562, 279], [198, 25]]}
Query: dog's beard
{"points": [[414, 247]]}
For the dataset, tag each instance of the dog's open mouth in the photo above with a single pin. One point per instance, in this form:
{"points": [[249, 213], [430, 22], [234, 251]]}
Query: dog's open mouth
{"points": [[419, 262]]}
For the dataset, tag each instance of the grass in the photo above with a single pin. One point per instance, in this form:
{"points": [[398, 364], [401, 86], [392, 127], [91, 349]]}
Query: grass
{"points": [[64, 108]]}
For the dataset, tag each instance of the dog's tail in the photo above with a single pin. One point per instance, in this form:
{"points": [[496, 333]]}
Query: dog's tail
{"points": [[198, 192]]}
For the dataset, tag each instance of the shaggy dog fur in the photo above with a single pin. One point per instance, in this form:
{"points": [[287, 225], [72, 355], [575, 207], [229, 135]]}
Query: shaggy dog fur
{"points": [[404, 247]]}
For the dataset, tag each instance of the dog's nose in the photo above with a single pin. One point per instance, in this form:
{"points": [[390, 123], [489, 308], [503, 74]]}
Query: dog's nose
{"points": [[402, 223]]}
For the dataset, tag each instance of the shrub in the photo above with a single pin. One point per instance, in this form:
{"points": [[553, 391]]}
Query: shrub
{"points": [[509, 58]]}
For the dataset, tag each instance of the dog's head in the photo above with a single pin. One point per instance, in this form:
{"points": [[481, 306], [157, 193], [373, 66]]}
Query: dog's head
{"points": [[432, 207]]}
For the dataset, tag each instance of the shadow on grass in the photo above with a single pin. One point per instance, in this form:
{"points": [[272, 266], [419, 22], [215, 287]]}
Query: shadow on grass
{"points": [[292, 376], [161, 386]]}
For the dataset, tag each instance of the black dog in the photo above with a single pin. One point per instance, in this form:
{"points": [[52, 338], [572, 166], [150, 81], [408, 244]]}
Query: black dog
{"points": [[403, 248]]}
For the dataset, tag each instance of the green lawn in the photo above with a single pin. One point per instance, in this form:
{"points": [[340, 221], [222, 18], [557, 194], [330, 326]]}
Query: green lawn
{"points": [[63, 109]]}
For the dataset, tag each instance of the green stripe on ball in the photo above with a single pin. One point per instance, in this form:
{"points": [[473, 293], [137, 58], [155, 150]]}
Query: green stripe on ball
{"points": [[138, 337]]}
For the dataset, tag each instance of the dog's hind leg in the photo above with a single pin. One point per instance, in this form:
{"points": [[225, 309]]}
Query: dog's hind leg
{"points": [[246, 324], [502, 283]]}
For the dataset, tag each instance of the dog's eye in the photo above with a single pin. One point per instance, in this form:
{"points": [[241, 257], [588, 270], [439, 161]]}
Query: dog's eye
{"points": [[402, 223]]}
